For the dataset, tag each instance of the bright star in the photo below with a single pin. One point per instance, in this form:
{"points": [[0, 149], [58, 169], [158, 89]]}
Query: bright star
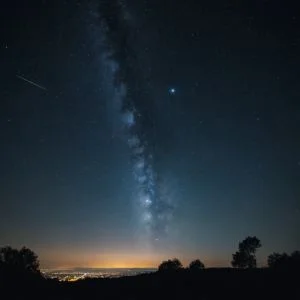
{"points": [[172, 91], [148, 202]]}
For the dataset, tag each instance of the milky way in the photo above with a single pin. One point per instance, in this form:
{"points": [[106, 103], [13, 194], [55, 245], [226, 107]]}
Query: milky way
{"points": [[137, 116]]}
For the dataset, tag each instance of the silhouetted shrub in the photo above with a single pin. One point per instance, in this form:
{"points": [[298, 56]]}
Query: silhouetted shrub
{"points": [[276, 260], [196, 265], [170, 265], [284, 261]]}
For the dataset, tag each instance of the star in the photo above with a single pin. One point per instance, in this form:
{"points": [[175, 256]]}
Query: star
{"points": [[172, 91]]}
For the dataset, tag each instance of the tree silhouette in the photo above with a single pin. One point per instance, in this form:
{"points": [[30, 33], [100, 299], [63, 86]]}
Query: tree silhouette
{"points": [[284, 261], [19, 260], [170, 265], [29, 260], [196, 265], [277, 260], [245, 257], [9, 256], [296, 257]]}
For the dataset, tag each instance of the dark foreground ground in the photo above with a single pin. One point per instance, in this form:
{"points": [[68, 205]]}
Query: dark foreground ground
{"points": [[203, 284]]}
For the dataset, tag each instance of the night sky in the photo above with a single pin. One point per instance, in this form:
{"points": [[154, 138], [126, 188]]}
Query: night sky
{"points": [[136, 131]]}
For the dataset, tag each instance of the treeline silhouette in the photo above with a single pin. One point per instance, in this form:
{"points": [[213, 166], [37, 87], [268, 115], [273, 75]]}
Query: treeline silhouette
{"points": [[23, 260], [284, 261], [244, 258], [20, 278]]}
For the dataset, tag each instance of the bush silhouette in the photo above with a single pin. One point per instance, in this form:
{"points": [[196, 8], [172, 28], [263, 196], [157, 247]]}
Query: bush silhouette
{"points": [[19, 260], [245, 257], [277, 260], [284, 261], [295, 256], [196, 265], [170, 265]]}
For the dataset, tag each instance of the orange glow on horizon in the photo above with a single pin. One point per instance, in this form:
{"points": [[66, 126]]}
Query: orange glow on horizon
{"points": [[96, 260], [124, 264], [108, 264], [128, 259]]}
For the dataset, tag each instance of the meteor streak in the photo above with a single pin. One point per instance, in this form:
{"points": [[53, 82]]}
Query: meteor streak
{"points": [[31, 82]]}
